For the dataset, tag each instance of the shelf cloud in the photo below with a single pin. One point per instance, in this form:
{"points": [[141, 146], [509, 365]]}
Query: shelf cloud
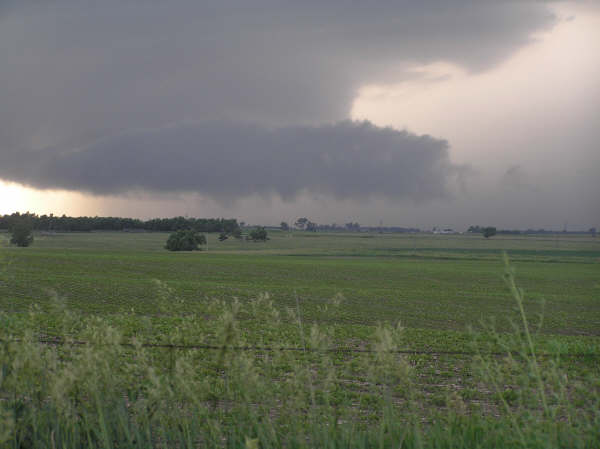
{"points": [[347, 160], [232, 99]]}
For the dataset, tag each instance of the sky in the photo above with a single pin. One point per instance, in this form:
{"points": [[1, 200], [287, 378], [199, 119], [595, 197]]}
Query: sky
{"points": [[432, 113]]}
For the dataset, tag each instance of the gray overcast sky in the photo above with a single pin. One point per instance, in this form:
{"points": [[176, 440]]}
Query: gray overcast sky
{"points": [[244, 109]]}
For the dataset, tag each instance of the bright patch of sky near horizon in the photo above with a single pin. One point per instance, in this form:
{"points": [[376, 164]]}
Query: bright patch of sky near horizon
{"points": [[538, 95], [528, 117], [540, 92]]}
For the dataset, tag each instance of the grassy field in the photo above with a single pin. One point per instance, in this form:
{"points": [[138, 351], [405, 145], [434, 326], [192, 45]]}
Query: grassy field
{"points": [[439, 303], [443, 283]]}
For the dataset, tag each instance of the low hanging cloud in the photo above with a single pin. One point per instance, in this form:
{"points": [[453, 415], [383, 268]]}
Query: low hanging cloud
{"points": [[226, 160]]}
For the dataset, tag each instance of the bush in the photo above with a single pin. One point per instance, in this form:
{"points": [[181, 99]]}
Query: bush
{"points": [[259, 234], [185, 240], [22, 232], [489, 232]]}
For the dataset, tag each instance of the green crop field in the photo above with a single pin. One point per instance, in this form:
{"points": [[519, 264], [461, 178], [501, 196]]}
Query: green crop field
{"points": [[440, 283], [294, 336]]}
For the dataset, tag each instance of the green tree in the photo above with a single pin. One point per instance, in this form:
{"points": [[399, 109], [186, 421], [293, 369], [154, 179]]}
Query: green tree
{"points": [[259, 234], [301, 222], [489, 232], [185, 240], [21, 231]]}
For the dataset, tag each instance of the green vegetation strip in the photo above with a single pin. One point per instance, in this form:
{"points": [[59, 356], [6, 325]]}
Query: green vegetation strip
{"points": [[145, 348]]}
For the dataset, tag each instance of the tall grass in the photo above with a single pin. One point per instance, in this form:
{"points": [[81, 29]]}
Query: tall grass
{"points": [[95, 387]]}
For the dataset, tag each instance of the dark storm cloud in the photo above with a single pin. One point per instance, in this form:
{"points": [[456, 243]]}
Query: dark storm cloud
{"points": [[228, 160], [75, 71], [74, 74], [516, 178]]}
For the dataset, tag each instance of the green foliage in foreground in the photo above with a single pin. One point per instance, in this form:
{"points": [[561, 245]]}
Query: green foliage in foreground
{"points": [[103, 393], [185, 240]]}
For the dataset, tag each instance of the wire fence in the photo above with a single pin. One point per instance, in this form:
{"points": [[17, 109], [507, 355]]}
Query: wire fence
{"points": [[341, 349]]}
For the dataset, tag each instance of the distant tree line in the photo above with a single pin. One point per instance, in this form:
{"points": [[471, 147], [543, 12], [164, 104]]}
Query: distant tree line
{"points": [[305, 224], [481, 230], [82, 224]]}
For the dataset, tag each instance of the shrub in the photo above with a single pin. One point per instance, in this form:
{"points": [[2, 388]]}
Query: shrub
{"points": [[489, 232], [22, 232], [185, 240], [259, 234]]}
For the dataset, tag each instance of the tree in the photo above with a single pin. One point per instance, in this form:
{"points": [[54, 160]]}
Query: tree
{"points": [[355, 227], [489, 232], [223, 236], [284, 226], [185, 240], [22, 232], [259, 234], [310, 226], [301, 222]]}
